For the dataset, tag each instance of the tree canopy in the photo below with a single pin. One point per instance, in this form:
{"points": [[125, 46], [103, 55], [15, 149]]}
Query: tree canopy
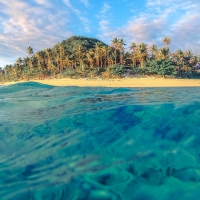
{"points": [[79, 56]]}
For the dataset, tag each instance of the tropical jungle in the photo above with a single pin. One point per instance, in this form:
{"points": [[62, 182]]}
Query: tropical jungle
{"points": [[82, 57]]}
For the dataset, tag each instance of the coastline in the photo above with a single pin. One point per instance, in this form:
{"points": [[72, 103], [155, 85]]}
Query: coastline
{"points": [[125, 82]]}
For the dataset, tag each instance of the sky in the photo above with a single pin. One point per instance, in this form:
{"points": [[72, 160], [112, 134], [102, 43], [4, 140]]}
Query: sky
{"points": [[43, 23]]}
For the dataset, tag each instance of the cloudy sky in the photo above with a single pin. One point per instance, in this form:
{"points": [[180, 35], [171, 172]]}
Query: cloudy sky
{"points": [[43, 23]]}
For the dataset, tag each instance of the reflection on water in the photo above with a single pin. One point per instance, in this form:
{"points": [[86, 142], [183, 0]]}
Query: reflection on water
{"points": [[60, 143]]}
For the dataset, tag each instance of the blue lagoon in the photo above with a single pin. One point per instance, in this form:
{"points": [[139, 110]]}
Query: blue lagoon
{"points": [[64, 143]]}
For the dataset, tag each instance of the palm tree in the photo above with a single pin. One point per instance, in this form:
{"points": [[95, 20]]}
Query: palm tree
{"points": [[8, 71], [178, 58], [187, 58], [49, 55], [111, 58], [133, 46], [101, 56], [54, 66], [120, 45], [166, 40], [142, 53], [133, 55], [61, 52], [97, 53], [15, 71], [19, 61], [40, 62], [90, 58], [106, 52], [153, 50], [114, 44], [193, 61], [30, 51], [31, 63], [163, 54], [50, 60], [18, 66], [80, 56]]}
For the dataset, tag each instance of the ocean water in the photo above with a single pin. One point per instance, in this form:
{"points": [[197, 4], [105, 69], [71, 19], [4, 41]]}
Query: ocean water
{"points": [[73, 143]]}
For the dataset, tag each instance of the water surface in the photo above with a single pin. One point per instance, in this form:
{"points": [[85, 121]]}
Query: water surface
{"points": [[64, 143]]}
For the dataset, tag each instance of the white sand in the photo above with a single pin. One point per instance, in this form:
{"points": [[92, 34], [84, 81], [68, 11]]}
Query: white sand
{"points": [[127, 82]]}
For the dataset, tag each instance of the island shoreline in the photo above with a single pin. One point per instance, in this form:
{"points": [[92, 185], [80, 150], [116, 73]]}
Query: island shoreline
{"points": [[116, 83]]}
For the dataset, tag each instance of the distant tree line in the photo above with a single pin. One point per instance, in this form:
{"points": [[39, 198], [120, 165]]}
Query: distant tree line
{"points": [[89, 57]]}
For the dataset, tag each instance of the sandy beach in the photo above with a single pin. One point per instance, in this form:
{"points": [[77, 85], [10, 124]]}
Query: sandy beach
{"points": [[126, 82]]}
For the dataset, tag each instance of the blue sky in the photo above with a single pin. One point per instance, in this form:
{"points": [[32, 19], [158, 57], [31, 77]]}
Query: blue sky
{"points": [[43, 23]]}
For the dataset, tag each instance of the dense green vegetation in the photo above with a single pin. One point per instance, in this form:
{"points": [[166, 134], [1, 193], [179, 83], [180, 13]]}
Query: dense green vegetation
{"points": [[88, 57]]}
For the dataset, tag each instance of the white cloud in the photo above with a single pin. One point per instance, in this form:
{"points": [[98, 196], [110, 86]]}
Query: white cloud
{"points": [[45, 3], [184, 30], [106, 7], [83, 19], [24, 25], [139, 30], [176, 19], [104, 23], [170, 3], [42, 2], [85, 2], [42, 23], [185, 33]]}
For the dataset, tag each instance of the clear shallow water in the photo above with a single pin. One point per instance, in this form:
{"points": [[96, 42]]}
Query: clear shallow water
{"points": [[64, 143]]}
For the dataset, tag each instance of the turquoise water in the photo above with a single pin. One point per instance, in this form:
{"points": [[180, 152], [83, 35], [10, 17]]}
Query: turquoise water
{"points": [[72, 143]]}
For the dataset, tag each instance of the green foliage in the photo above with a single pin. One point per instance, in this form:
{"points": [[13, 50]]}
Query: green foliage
{"points": [[69, 72], [136, 70], [95, 72], [72, 43], [160, 67], [117, 69], [80, 56]]}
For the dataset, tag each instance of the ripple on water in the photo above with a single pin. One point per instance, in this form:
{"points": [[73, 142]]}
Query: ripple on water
{"points": [[99, 143]]}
